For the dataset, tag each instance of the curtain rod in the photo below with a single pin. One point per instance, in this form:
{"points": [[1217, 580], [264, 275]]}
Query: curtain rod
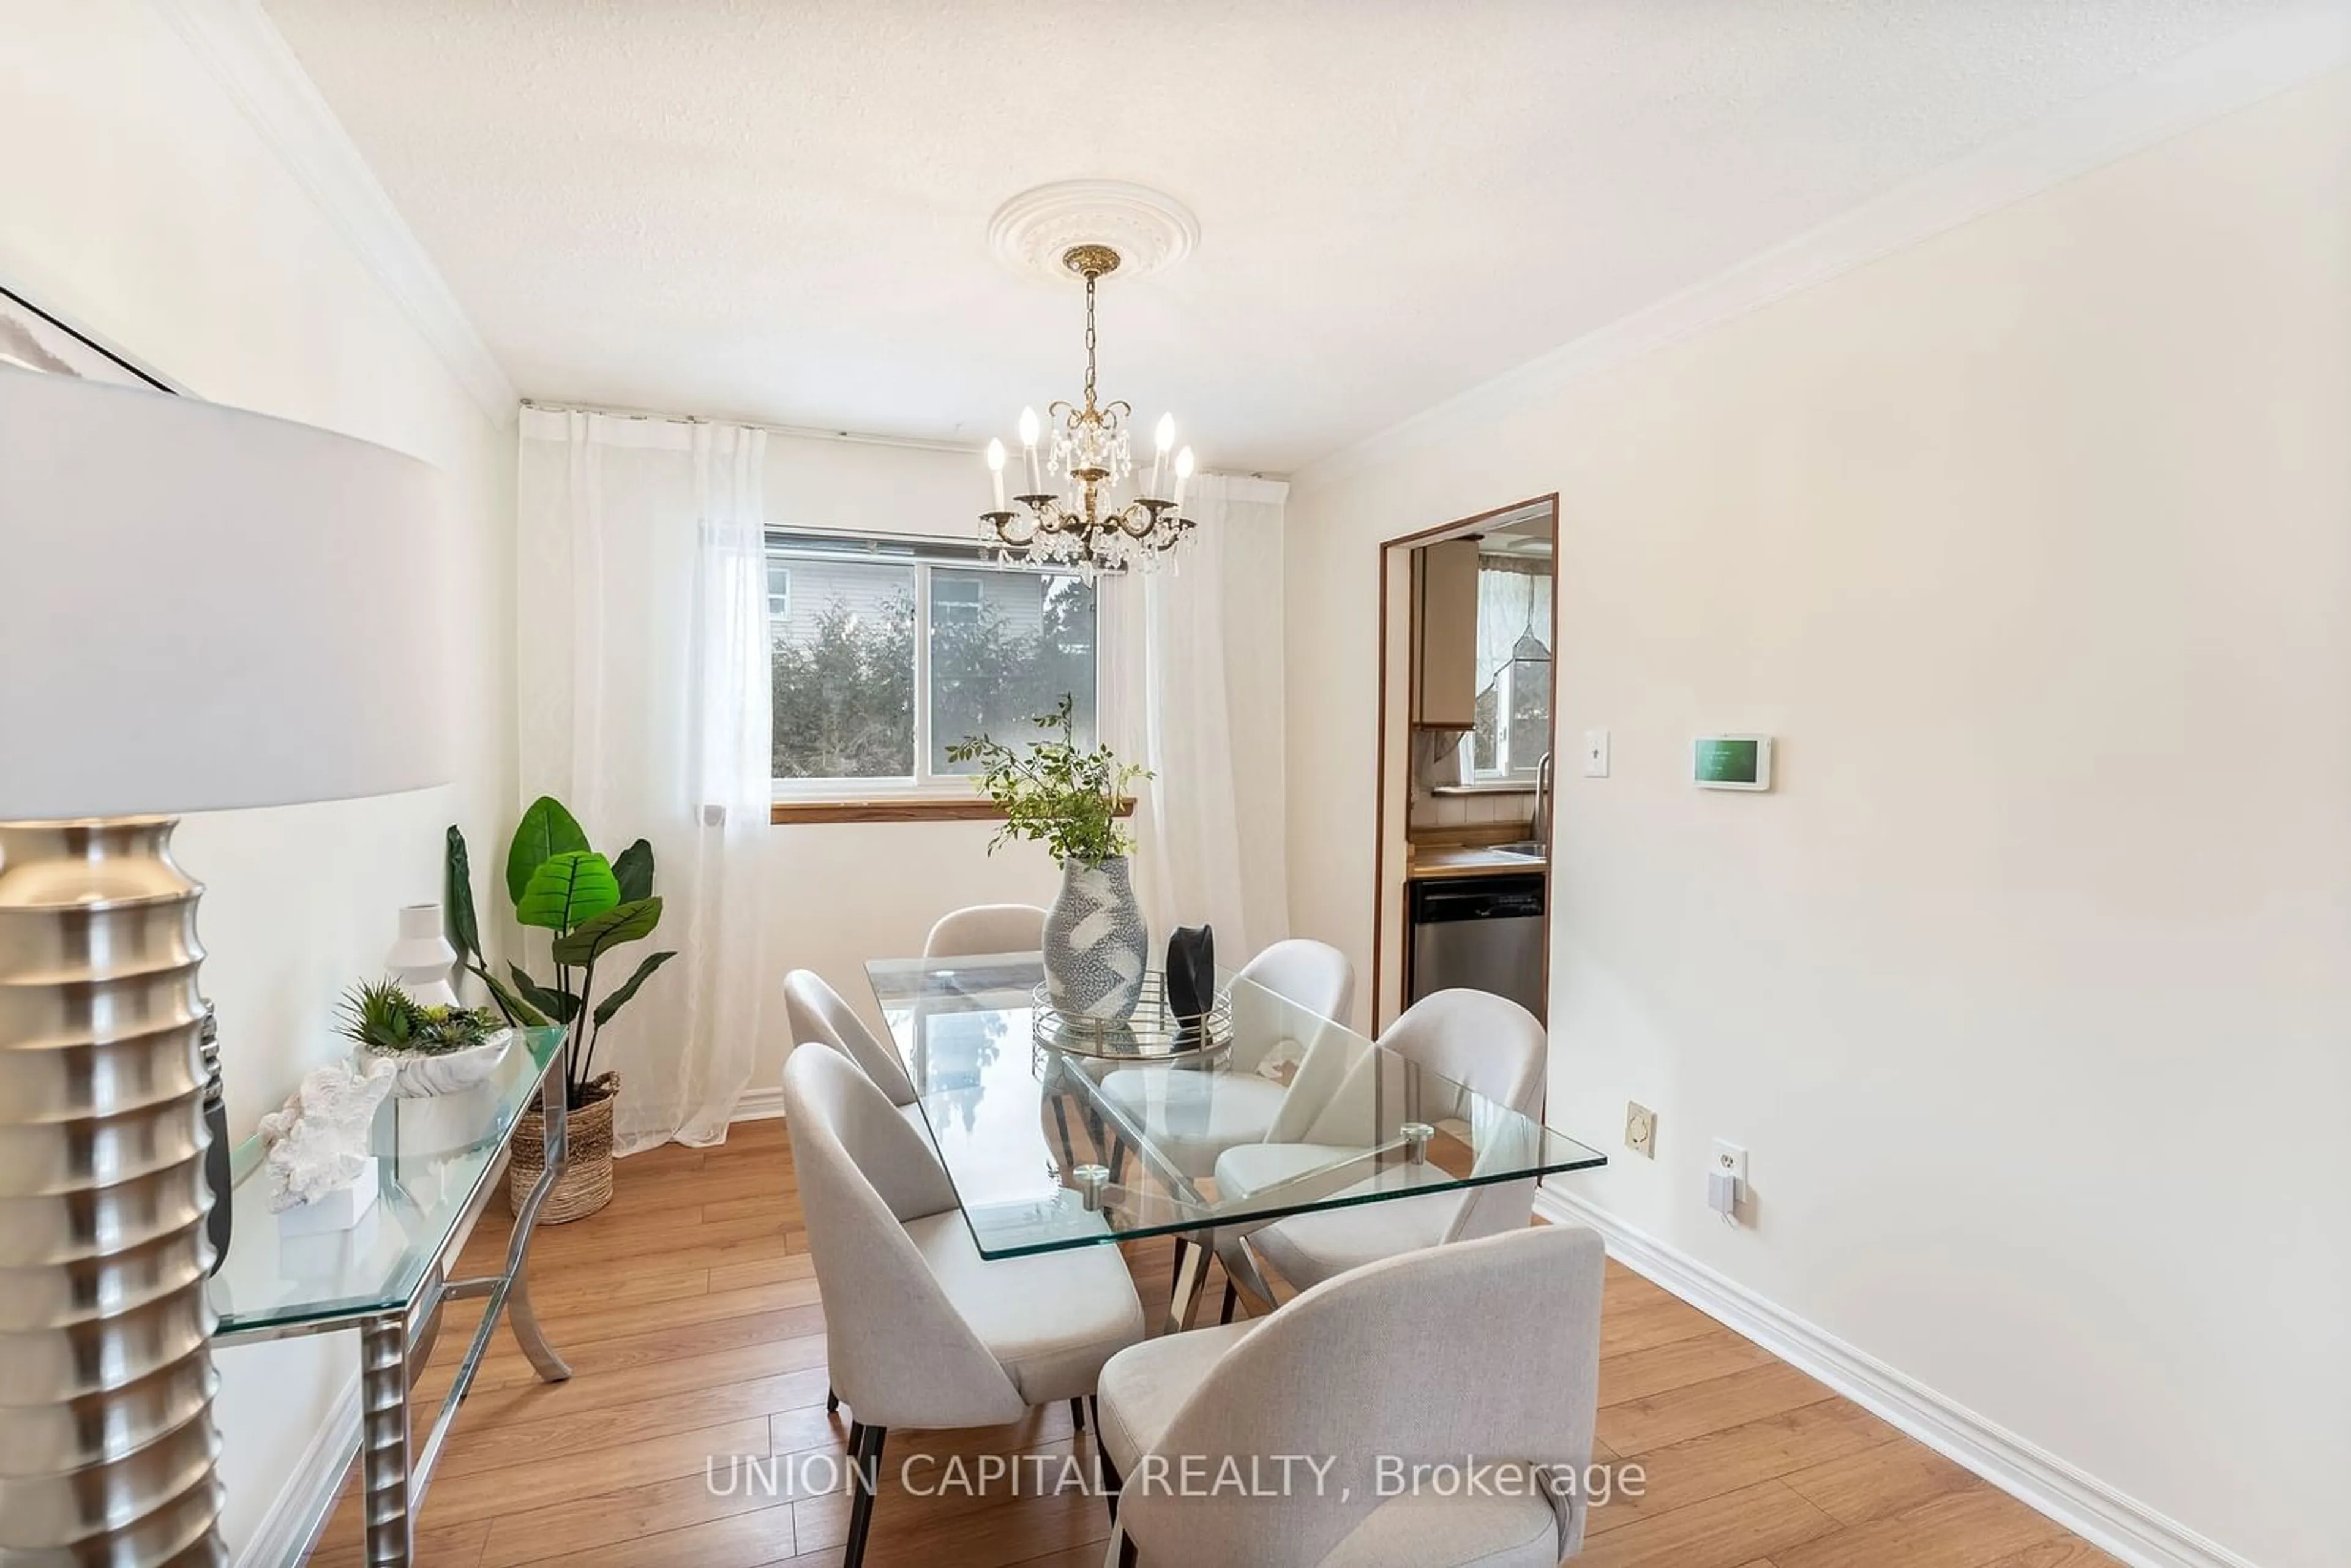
{"points": [[802, 431]]}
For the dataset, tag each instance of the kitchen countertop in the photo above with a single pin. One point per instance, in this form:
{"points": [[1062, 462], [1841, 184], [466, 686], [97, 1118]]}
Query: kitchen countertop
{"points": [[1425, 863]]}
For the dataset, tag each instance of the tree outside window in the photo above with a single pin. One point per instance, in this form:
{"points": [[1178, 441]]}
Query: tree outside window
{"points": [[883, 660]]}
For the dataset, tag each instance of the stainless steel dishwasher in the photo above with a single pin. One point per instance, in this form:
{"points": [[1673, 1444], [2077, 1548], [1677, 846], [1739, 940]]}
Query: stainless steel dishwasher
{"points": [[1484, 933]]}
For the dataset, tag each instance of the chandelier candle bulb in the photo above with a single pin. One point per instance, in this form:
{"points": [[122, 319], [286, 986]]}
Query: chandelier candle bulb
{"points": [[1183, 475], [1029, 428], [996, 469], [1165, 438]]}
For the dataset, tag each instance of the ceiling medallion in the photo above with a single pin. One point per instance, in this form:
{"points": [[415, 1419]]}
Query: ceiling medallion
{"points": [[1033, 231], [1070, 514]]}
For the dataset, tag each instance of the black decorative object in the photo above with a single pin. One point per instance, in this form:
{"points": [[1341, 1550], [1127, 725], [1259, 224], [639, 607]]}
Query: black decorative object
{"points": [[1191, 971], [217, 1170]]}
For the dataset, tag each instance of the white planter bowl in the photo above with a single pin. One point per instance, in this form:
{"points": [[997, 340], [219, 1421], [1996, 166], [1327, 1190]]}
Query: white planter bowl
{"points": [[415, 1076]]}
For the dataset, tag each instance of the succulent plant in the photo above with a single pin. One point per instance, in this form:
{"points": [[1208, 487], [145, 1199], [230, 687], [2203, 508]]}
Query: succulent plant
{"points": [[386, 1019]]}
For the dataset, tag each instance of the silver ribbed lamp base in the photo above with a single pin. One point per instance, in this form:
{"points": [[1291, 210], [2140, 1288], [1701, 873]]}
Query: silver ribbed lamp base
{"points": [[107, 1442]]}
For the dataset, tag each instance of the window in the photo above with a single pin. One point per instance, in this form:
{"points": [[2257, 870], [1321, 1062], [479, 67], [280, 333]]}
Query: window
{"points": [[1514, 638], [955, 599], [886, 652]]}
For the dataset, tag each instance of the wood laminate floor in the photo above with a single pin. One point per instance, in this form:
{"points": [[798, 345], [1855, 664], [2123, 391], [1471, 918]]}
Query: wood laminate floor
{"points": [[688, 1312]]}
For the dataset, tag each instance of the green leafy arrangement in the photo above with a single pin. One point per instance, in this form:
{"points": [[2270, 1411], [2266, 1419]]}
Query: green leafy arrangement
{"points": [[1053, 793], [386, 1019], [588, 903]]}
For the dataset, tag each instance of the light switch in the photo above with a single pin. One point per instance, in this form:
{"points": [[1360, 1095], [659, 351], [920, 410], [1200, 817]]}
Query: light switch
{"points": [[1595, 754]]}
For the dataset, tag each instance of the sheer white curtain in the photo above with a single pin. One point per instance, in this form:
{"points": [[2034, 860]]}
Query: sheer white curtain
{"points": [[1192, 657], [642, 649], [1513, 602]]}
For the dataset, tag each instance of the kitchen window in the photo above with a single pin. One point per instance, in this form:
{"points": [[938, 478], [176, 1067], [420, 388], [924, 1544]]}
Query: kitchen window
{"points": [[1514, 672], [886, 650]]}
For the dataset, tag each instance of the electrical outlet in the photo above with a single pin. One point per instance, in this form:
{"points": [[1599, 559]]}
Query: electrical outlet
{"points": [[1640, 1129]]}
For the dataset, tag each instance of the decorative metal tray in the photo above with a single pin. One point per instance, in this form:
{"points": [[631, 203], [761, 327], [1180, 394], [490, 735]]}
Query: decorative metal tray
{"points": [[1153, 1031]]}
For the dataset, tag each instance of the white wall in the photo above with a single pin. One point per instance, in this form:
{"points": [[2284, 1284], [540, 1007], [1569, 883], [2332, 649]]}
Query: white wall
{"points": [[851, 891], [140, 201], [2027, 987]]}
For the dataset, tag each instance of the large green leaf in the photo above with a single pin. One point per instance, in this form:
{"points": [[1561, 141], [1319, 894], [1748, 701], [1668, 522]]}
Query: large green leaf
{"points": [[457, 901], [633, 868], [618, 1000], [586, 941], [546, 831], [519, 1013], [568, 889], [560, 1006]]}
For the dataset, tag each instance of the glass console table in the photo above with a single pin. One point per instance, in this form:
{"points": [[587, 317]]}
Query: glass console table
{"points": [[387, 1277]]}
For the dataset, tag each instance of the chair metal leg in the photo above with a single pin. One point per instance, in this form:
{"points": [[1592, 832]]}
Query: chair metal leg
{"points": [[832, 1400], [865, 1473], [1121, 1552], [1232, 1299], [1078, 1414]]}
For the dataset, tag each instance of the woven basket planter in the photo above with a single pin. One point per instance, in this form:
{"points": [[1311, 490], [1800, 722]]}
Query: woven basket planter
{"points": [[586, 1183]]}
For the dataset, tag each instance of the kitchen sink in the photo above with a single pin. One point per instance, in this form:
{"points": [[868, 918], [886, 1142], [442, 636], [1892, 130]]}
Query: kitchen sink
{"points": [[1525, 849]]}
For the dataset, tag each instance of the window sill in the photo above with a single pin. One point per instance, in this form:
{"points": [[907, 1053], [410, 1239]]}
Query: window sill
{"points": [[901, 809], [1499, 787]]}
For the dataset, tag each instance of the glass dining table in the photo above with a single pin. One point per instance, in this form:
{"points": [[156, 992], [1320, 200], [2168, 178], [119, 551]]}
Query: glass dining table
{"points": [[1057, 1136]]}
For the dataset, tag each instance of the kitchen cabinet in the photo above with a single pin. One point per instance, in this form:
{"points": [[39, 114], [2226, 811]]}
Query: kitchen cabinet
{"points": [[1444, 635]]}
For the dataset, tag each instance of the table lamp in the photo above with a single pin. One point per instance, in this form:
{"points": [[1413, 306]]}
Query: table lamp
{"points": [[200, 608]]}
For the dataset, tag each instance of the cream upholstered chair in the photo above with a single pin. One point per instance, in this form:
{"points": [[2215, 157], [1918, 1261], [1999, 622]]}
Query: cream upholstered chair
{"points": [[1199, 1115], [986, 928], [817, 1012], [920, 1331], [1485, 1354], [1487, 1044], [819, 1015]]}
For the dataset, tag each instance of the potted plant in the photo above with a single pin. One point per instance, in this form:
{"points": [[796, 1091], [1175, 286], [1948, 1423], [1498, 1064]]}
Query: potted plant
{"points": [[588, 906], [1068, 798], [433, 1050]]}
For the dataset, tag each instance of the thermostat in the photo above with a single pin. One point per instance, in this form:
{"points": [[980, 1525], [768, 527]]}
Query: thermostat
{"points": [[1731, 762]]}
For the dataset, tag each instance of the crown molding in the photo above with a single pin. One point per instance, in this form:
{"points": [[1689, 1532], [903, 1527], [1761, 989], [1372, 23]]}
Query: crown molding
{"points": [[250, 58], [2219, 79]]}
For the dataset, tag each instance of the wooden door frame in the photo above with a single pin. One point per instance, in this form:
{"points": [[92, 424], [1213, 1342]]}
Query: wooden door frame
{"points": [[1380, 777]]}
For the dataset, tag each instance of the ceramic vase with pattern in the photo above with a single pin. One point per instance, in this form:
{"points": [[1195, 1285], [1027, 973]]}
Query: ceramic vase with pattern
{"points": [[1096, 948]]}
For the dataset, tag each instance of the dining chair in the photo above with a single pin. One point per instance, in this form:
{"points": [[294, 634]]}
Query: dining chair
{"points": [[986, 928], [1197, 1115], [1488, 1045], [1486, 1354], [815, 1011], [919, 1330]]}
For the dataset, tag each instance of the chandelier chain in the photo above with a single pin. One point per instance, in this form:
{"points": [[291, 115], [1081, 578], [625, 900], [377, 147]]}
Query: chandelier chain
{"points": [[1089, 341]]}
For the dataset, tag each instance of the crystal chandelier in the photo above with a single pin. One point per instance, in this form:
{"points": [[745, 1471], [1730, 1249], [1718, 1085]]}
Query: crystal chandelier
{"points": [[1068, 517]]}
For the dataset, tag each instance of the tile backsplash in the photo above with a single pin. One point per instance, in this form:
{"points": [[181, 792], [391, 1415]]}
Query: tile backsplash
{"points": [[1469, 811], [1436, 761]]}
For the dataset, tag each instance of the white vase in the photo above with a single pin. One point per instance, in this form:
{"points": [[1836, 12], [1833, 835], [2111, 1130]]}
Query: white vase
{"points": [[421, 960], [1096, 945]]}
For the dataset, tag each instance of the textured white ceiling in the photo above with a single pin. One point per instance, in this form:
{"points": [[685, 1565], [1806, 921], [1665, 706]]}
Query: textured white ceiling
{"points": [[778, 210]]}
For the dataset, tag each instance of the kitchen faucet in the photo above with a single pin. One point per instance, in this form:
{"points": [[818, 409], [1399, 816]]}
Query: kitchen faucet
{"points": [[1542, 805]]}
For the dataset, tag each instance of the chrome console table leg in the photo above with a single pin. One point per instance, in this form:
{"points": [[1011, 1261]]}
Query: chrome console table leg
{"points": [[524, 1320], [384, 1439]]}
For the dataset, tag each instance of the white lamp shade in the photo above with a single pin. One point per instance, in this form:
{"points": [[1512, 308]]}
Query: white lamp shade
{"points": [[201, 608]]}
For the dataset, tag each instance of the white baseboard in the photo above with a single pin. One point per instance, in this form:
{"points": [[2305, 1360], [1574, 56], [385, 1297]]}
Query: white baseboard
{"points": [[2090, 1507], [302, 1504], [760, 1105]]}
